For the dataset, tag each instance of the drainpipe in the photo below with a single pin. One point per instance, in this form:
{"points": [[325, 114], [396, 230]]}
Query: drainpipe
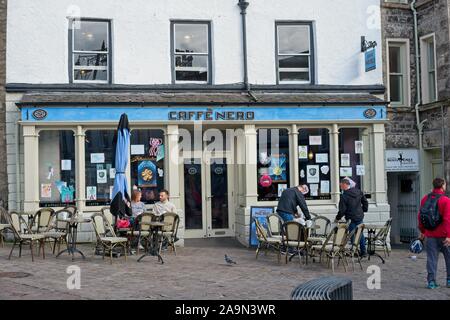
{"points": [[17, 158], [443, 142], [243, 5], [418, 90]]}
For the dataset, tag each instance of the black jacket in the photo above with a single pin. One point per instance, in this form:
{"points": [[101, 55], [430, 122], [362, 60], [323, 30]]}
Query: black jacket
{"points": [[352, 205], [290, 199]]}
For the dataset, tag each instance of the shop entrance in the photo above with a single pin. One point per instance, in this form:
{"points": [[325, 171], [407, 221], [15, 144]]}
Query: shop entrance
{"points": [[207, 181]]}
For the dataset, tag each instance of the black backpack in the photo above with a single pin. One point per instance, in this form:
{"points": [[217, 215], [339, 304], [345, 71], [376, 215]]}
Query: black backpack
{"points": [[429, 213]]}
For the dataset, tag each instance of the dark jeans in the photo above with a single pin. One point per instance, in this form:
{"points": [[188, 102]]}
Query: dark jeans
{"points": [[434, 246], [286, 216], [362, 241]]}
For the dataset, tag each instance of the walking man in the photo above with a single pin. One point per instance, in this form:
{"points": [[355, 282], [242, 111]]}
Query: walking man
{"points": [[289, 200], [352, 206], [435, 231]]}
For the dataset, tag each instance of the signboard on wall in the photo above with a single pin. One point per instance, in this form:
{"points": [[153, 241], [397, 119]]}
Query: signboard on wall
{"points": [[371, 62], [399, 160]]}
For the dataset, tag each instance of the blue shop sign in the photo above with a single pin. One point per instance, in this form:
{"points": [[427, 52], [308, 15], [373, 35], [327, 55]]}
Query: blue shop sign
{"points": [[371, 62], [214, 114]]}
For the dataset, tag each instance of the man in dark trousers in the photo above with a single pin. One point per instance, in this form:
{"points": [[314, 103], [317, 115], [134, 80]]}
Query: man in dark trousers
{"points": [[438, 239], [289, 200], [352, 206]]}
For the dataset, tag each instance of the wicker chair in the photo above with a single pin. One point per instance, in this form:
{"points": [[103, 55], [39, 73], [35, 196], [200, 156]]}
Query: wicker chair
{"points": [[295, 236], [42, 220], [352, 249], [266, 241], [381, 237], [58, 228], [171, 222], [275, 223], [4, 224], [334, 245], [106, 236], [17, 224], [141, 229]]}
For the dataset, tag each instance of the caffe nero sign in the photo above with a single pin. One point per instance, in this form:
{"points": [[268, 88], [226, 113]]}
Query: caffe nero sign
{"points": [[211, 115], [402, 160]]}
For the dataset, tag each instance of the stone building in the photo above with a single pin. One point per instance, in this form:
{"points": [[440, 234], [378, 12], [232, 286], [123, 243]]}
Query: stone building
{"points": [[416, 75], [3, 132]]}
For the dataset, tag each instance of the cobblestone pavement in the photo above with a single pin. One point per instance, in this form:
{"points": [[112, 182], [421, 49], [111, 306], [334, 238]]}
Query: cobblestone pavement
{"points": [[201, 273]]}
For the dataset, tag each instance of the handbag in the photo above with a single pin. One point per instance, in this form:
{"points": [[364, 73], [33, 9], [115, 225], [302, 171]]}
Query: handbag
{"points": [[123, 223]]}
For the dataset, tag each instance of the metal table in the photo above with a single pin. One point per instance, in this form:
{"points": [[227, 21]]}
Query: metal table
{"points": [[153, 250], [371, 231], [72, 236]]}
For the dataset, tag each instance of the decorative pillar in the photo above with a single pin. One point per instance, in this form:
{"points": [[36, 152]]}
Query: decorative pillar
{"points": [[31, 168], [293, 136], [172, 164], [251, 176], [378, 163], [80, 168], [334, 163]]}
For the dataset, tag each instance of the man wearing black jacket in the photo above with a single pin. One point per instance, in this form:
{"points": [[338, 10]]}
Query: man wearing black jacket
{"points": [[352, 206], [289, 200]]}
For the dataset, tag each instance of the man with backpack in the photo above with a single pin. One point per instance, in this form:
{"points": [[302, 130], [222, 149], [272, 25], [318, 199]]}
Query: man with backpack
{"points": [[434, 225]]}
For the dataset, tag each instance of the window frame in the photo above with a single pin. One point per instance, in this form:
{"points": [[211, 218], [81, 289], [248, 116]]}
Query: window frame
{"points": [[424, 58], [173, 53], [72, 52], [311, 55], [404, 45]]}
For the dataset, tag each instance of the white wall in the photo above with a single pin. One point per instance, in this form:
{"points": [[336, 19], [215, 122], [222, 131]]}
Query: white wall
{"points": [[37, 42]]}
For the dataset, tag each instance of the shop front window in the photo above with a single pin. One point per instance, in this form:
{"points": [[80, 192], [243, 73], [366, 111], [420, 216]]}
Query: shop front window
{"points": [[273, 163], [56, 168], [147, 163], [354, 156], [314, 163], [100, 173]]}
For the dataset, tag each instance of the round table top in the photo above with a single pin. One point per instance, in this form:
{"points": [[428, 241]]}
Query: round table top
{"points": [[77, 220]]}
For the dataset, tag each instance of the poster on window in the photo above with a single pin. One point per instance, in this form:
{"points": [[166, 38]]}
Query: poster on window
{"points": [[315, 140], [360, 170], [324, 186], [346, 172], [91, 193], [281, 188], [137, 149], [97, 158], [312, 174], [314, 190], [147, 173], [321, 157], [67, 194], [303, 152], [277, 168], [359, 146], [345, 159], [112, 173], [66, 165], [101, 176], [46, 190]]}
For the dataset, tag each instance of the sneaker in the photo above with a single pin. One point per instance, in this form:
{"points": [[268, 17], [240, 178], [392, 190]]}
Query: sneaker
{"points": [[432, 285], [141, 247]]}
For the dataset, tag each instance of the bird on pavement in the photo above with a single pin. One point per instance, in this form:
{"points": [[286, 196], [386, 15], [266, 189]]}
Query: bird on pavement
{"points": [[229, 261]]}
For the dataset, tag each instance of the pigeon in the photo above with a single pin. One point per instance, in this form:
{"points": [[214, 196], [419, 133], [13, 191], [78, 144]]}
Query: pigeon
{"points": [[228, 260]]}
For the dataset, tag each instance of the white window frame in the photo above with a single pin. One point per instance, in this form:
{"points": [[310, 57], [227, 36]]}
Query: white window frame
{"points": [[424, 68], [278, 54], [204, 54], [406, 67], [397, 1], [93, 68]]}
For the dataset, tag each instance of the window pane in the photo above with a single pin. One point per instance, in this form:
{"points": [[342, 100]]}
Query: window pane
{"points": [[189, 61], [314, 162], [56, 168], [191, 76], [91, 36], [273, 163], [99, 153], [293, 39], [90, 60], [431, 86], [293, 62], [430, 53], [191, 38], [100, 75], [394, 60], [396, 88], [147, 163], [294, 76]]}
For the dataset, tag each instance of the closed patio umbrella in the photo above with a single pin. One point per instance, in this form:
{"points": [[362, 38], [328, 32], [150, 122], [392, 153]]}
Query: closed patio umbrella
{"points": [[120, 195]]}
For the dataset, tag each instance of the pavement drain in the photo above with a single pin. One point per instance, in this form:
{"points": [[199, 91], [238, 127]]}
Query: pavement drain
{"points": [[14, 274]]}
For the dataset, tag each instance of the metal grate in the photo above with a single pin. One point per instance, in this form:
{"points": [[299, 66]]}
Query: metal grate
{"points": [[326, 288], [408, 222]]}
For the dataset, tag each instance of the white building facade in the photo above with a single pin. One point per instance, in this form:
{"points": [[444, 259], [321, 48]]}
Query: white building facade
{"points": [[283, 84]]}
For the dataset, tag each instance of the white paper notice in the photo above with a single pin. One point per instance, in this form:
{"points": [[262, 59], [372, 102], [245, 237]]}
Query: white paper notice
{"points": [[101, 176], [315, 140], [314, 190], [112, 173], [66, 164], [346, 172], [303, 152], [312, 174], [97, 158], [324, 186], [321, 157], [345, 159], [360, 170], [359, 146], [91, 193], [137, 149]]}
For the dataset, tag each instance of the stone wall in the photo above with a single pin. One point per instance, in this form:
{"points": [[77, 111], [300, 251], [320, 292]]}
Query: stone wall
{"points": [[3, 154]]}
